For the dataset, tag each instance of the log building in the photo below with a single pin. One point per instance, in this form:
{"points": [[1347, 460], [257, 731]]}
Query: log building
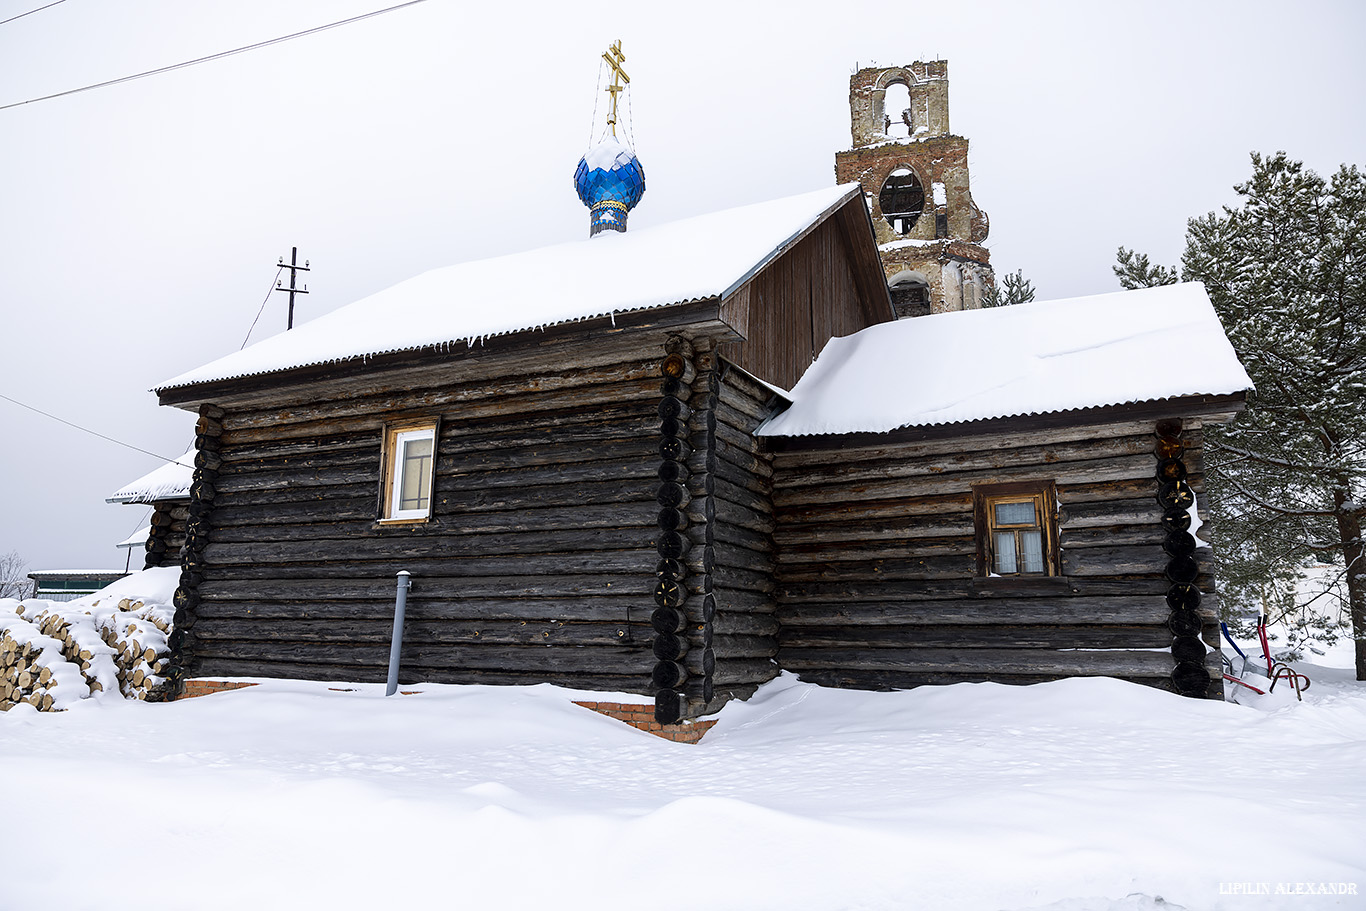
{"points": [[586, 458]]}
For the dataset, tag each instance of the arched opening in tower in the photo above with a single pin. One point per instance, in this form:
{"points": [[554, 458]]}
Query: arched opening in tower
{"points": [[896, 112], [901, 200]]}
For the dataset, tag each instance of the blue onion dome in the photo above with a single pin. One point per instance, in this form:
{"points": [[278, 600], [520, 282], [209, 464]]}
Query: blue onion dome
{"points": [[610, 181]]}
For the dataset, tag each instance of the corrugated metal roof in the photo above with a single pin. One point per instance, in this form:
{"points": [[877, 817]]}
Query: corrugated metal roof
{"points": [[1036, 358], [694, 259], [169, 482]]}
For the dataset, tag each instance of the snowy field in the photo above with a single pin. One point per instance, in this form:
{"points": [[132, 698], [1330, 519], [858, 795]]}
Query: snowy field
{"points": [[1071, 796]]}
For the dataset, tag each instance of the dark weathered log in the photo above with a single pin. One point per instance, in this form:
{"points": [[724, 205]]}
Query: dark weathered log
{"points": [[473, 400], [668, 647], [669, 706], [1052, 458], [1148, 536], [732, 671], [734, 600], [744, 459], [355, 509], [1109, 663], [668, 674], [1137, 510], [737, 514], [1092, 471], [1112, 561], [959, 502], [1185, 622], [1119, 610], [677, 367], [668, 620], [208, 460], [382, 587], [731, 647], [797, 556], [730, 533], [887, 590], [735, 623], [911, 567], [959, 443], [973, 636], [892, 530], [676, 388], [746, 407], [613, 659], [417, 631], [670, 593], [617, 609]]}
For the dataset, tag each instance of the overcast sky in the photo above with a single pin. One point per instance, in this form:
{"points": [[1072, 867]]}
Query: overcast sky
{"points": [[140, 224]]}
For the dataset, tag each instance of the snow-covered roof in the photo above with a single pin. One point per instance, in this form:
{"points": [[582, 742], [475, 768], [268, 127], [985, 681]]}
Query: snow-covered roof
{"points": [[708, 256], [1036, 358], [169, 482], [137, 538], [40, 574]]}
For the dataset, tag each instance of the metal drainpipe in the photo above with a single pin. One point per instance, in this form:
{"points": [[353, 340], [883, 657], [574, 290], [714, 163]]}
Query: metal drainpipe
{"points": [[405, 582]]}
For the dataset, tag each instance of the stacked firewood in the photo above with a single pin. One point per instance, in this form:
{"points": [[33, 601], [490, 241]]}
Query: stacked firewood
{"points": [[23, 675], [52, 655]]}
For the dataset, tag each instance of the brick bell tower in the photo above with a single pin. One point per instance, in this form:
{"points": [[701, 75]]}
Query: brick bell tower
{"points": [[915, 174]]}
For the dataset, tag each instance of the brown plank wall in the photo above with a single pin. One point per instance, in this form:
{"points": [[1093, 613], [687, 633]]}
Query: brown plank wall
{"points": [[876, 562], [788, 311], [534, 567]]}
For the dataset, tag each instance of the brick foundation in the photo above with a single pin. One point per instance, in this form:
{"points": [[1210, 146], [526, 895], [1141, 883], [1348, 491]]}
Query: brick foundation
{"points": [[195, 688], [643, 717]]}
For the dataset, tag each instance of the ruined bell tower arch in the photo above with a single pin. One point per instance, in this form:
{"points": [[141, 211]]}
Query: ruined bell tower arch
{"points": [[914, 172]]}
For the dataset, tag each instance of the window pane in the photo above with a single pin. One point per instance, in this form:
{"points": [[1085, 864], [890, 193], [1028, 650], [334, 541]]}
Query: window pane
{"points": [[1004, 546], [1031, 545], [415, 492], [1015, 513]]}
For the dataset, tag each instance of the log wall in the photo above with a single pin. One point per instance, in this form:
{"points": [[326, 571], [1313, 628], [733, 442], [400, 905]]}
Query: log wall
{"points": [[745, 627], [877, 562], [535, 565], [168, 523]]}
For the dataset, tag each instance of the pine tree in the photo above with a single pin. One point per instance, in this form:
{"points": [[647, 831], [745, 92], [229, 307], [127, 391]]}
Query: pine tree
{"points": [[1013, 289], [1134, 271], [1286, 271]]}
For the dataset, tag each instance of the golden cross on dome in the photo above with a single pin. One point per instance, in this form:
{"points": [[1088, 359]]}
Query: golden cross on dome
{"points": [[614, 58]]}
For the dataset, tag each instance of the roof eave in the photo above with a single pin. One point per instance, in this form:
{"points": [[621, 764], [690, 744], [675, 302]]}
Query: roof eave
{"points": [[1209, 408], [699, 315]]}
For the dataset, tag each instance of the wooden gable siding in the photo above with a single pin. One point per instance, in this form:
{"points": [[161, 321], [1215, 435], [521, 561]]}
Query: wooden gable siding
{"points": [[534, 567], [877, 562], [817, 290]]}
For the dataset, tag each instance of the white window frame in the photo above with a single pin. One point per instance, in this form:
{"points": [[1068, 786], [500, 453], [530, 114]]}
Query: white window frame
{"points": [[397, 438]]}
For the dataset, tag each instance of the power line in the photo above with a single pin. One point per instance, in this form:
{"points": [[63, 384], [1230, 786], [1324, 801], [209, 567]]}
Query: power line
{"points": [[84, 429], [31, 12], [218, 56], [263, 304]]}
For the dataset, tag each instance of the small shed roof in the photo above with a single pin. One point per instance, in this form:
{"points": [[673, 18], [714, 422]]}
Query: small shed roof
{"points": [[699, 258], [1082, 352], [169, 482]]}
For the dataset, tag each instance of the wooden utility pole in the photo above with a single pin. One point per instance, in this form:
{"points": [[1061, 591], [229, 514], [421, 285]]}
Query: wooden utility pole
{"points": [[294, 268]]}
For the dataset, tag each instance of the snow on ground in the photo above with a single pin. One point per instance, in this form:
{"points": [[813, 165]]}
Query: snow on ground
{"points": [[1079, 795]]}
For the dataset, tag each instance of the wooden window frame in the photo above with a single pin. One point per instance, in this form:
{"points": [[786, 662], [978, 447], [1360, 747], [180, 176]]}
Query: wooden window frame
{"points": [[389, 513], [1045, 495]]}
